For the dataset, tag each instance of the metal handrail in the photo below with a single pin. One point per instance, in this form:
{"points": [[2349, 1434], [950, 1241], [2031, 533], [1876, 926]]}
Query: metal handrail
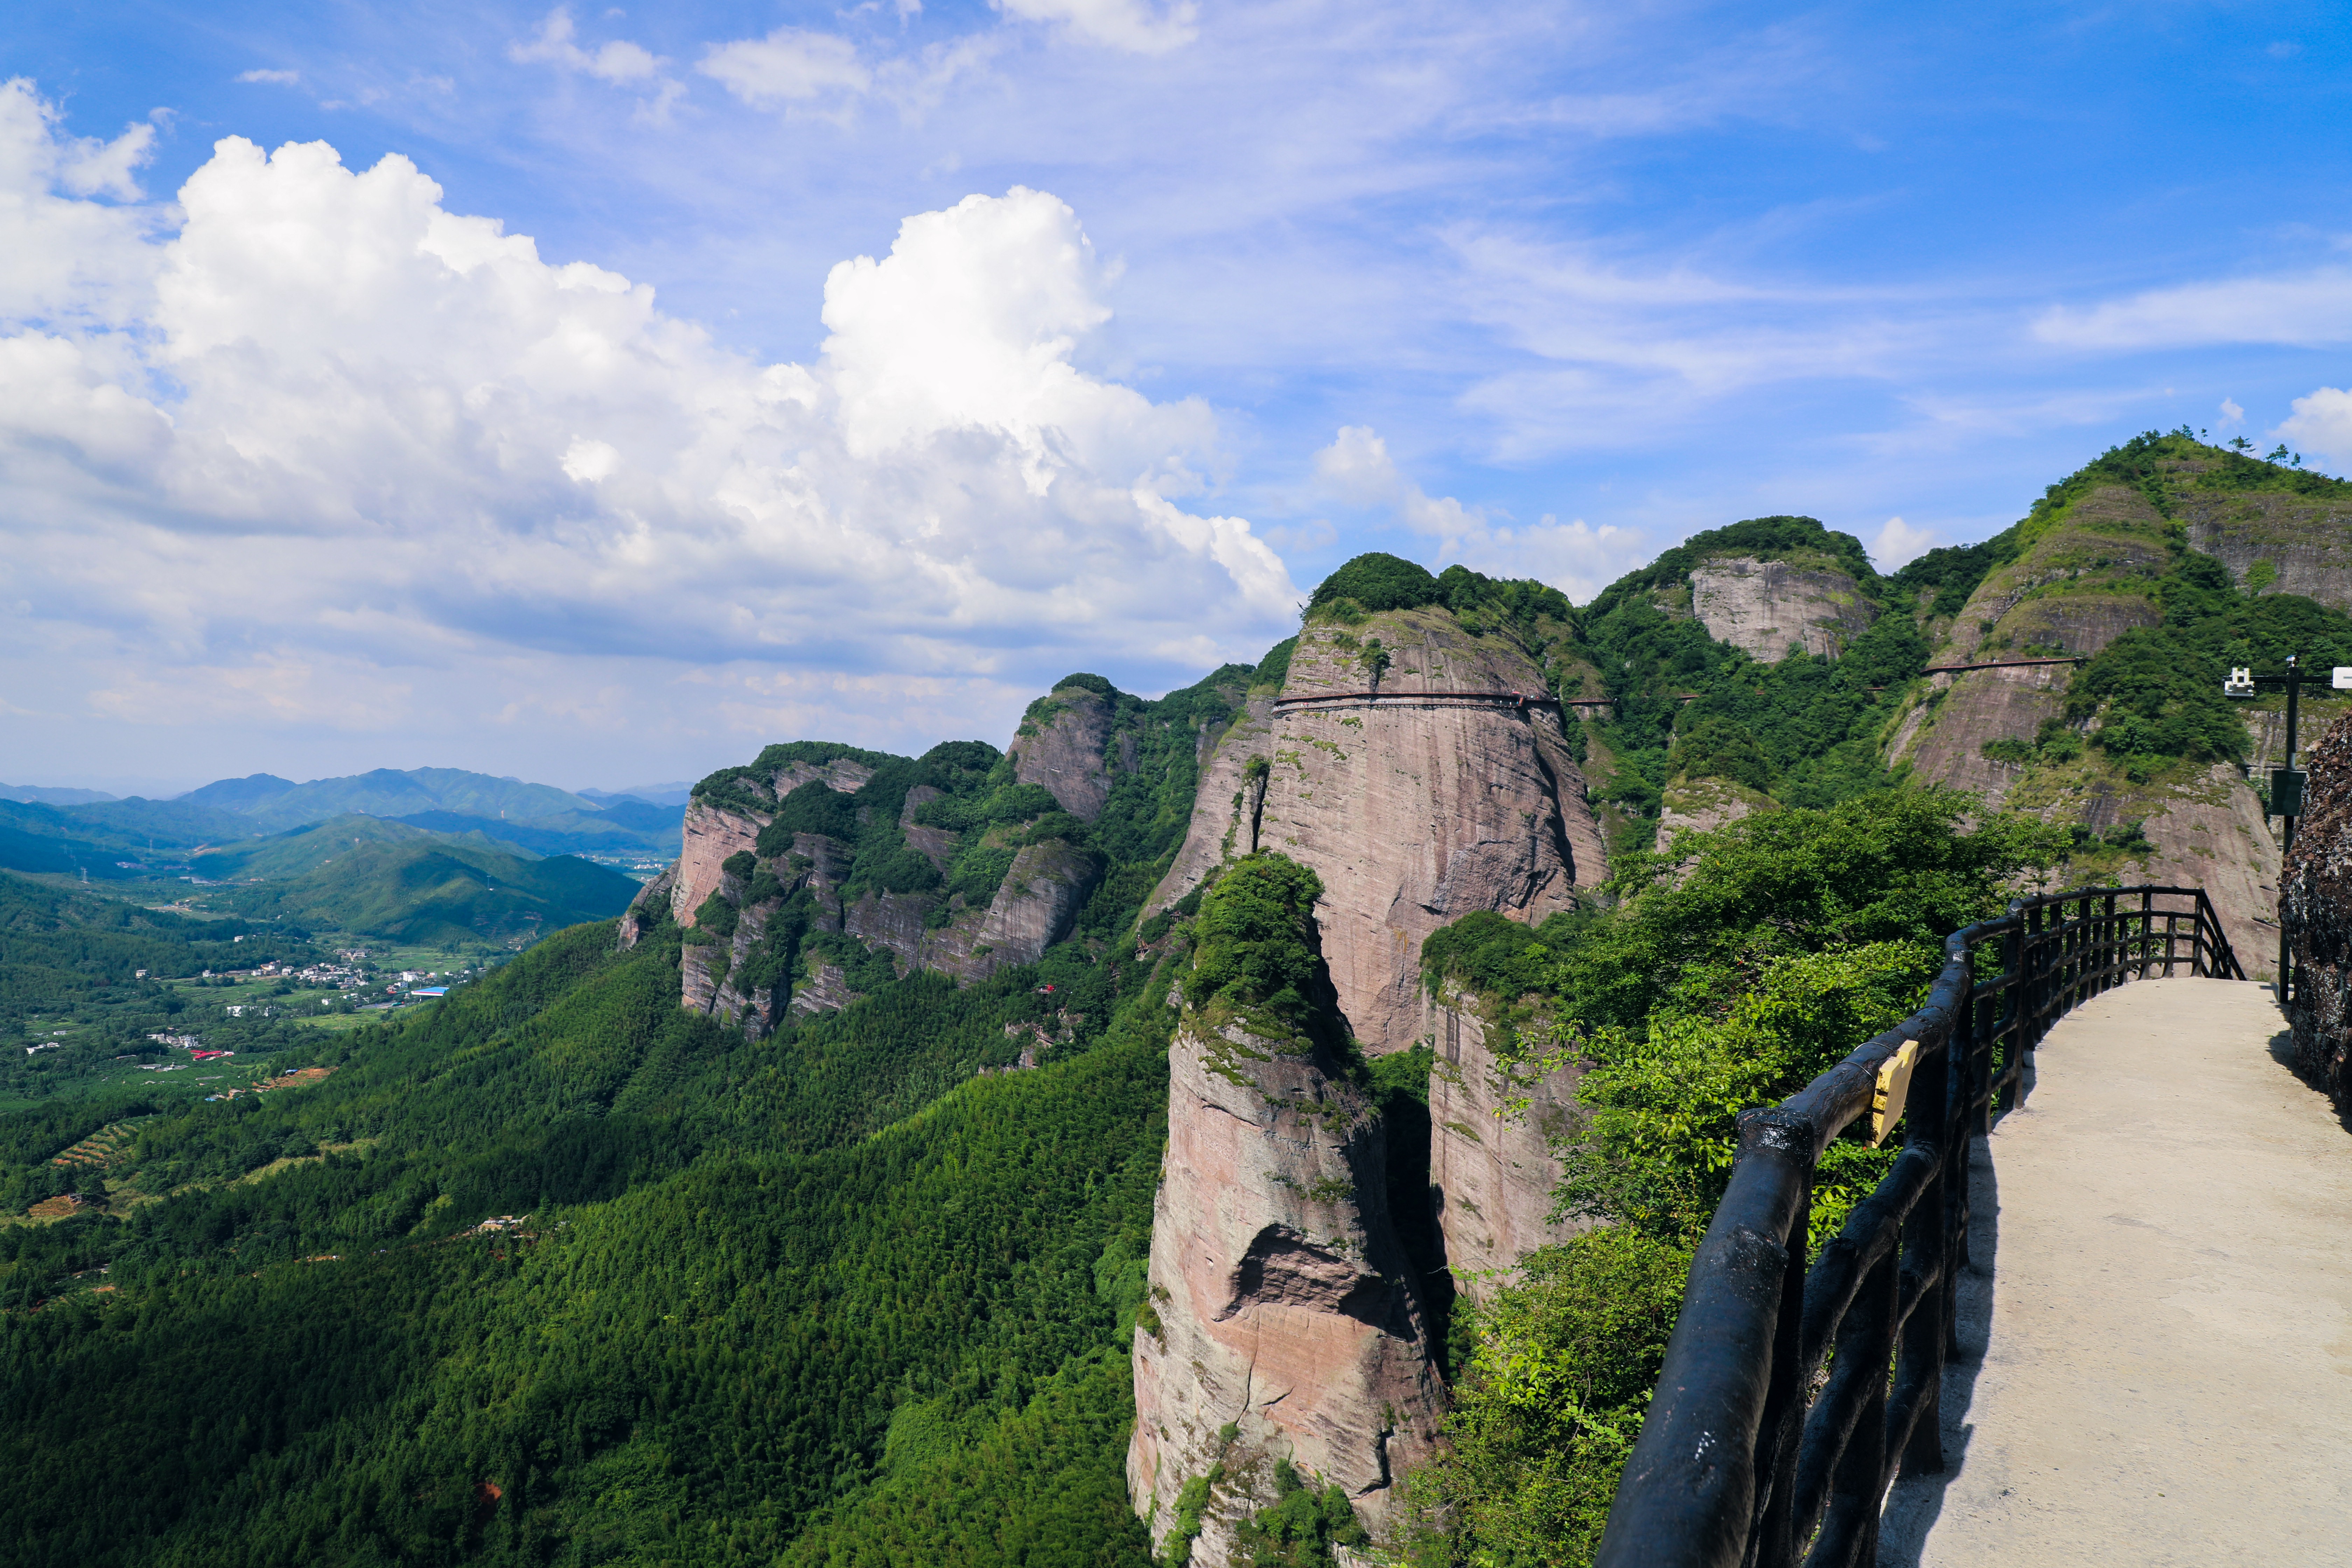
{"points": [[1739, 1463]]}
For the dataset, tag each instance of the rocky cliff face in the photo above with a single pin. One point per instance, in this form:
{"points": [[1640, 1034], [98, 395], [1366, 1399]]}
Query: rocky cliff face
{"points": [[1063, 746], [1491, 1163], [713, 832], [1282, 1323], [2276, 541], [2316, 907], [1702, 805], [1416, 806], [755, 965], [2086, 576], [1764, 608], [1226, 811]]}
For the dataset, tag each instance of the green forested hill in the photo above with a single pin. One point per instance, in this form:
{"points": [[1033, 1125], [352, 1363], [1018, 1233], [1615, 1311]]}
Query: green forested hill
{"points": [[434, 888], [807, 1292]]}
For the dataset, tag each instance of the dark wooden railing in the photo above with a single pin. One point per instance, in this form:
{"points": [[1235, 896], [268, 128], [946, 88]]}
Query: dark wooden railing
{"points": [[1742, 1461]]}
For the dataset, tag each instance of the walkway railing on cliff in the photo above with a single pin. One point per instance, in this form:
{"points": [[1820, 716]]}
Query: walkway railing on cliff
{"points": [[1743, 1460]]}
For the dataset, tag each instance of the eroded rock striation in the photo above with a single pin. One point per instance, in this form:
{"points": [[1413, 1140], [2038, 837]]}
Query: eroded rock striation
{"points": [[1494, 1133], [1064, 745], [1766, 607], [1396, 763], [1282, 1322], [2315, 907]]}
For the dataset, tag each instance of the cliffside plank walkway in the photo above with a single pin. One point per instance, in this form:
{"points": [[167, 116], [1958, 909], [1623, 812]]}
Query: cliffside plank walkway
{"points": [[2161, 1290]]}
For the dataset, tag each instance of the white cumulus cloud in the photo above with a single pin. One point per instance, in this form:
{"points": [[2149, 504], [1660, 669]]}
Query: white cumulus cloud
{"points": [[1898, 543], [311, 449], [2321, 424]]}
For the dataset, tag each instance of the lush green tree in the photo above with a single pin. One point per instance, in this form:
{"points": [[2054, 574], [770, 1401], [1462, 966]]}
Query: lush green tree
{"points": [[1548, 1407], [1376, 581]]}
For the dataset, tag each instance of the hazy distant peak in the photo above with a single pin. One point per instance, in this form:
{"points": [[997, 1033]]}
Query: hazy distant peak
{"points": [[45, 794], [238, 794]]}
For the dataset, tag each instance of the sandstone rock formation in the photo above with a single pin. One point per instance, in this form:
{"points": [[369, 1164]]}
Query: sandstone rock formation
{"points": [[2315, 905], [1062, 745], [1765, 607], [1702, 805], [1491, 1160], [1416, 806], [755, 971], [1282, 1320], [713, 833], [1227, 810], [2276, 541], [2088, 574]]}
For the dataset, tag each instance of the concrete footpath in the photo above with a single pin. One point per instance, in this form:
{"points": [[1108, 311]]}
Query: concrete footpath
{"points": [[2160, 1291]]}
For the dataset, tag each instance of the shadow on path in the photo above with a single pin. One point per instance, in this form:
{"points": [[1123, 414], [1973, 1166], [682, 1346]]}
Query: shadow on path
{"points": [[1916, 1502], [2282, 1052]]}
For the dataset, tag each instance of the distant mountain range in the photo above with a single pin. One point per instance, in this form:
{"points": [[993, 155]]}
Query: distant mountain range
{"points": [[427, 855], [426, 888], [110, 839]]}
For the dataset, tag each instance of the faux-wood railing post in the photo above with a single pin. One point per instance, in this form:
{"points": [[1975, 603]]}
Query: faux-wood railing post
{"points": [[1858, 1490], [2111, 956], [1774, 1544], [2013, 950]]}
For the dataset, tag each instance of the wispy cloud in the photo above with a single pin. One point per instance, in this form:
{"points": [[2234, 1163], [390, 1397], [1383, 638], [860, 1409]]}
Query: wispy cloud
{"points": [[1137, 27], [1356, 469], [282, 78], [617, 61], [2304, 310], [789, 65]]}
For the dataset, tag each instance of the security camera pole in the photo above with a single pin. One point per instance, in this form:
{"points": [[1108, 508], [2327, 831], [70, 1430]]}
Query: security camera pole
{"points": [[2286, 782]]}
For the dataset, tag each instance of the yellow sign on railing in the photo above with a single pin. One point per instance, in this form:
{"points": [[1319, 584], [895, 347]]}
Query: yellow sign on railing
{"points": [[1893, 1088]]}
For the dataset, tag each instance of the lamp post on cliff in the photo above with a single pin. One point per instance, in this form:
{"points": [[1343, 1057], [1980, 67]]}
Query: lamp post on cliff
{"points": [[2286, 782]]}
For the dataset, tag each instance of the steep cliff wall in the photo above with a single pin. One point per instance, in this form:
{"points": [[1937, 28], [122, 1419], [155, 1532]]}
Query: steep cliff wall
{"points": [[1764, 608], [713, 833], [1491, 1160], [2316, 906], [1413, 809], [1283, 1324]]}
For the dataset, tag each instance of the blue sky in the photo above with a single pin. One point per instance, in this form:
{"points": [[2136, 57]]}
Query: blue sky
{"points": [[1168, 309]]}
